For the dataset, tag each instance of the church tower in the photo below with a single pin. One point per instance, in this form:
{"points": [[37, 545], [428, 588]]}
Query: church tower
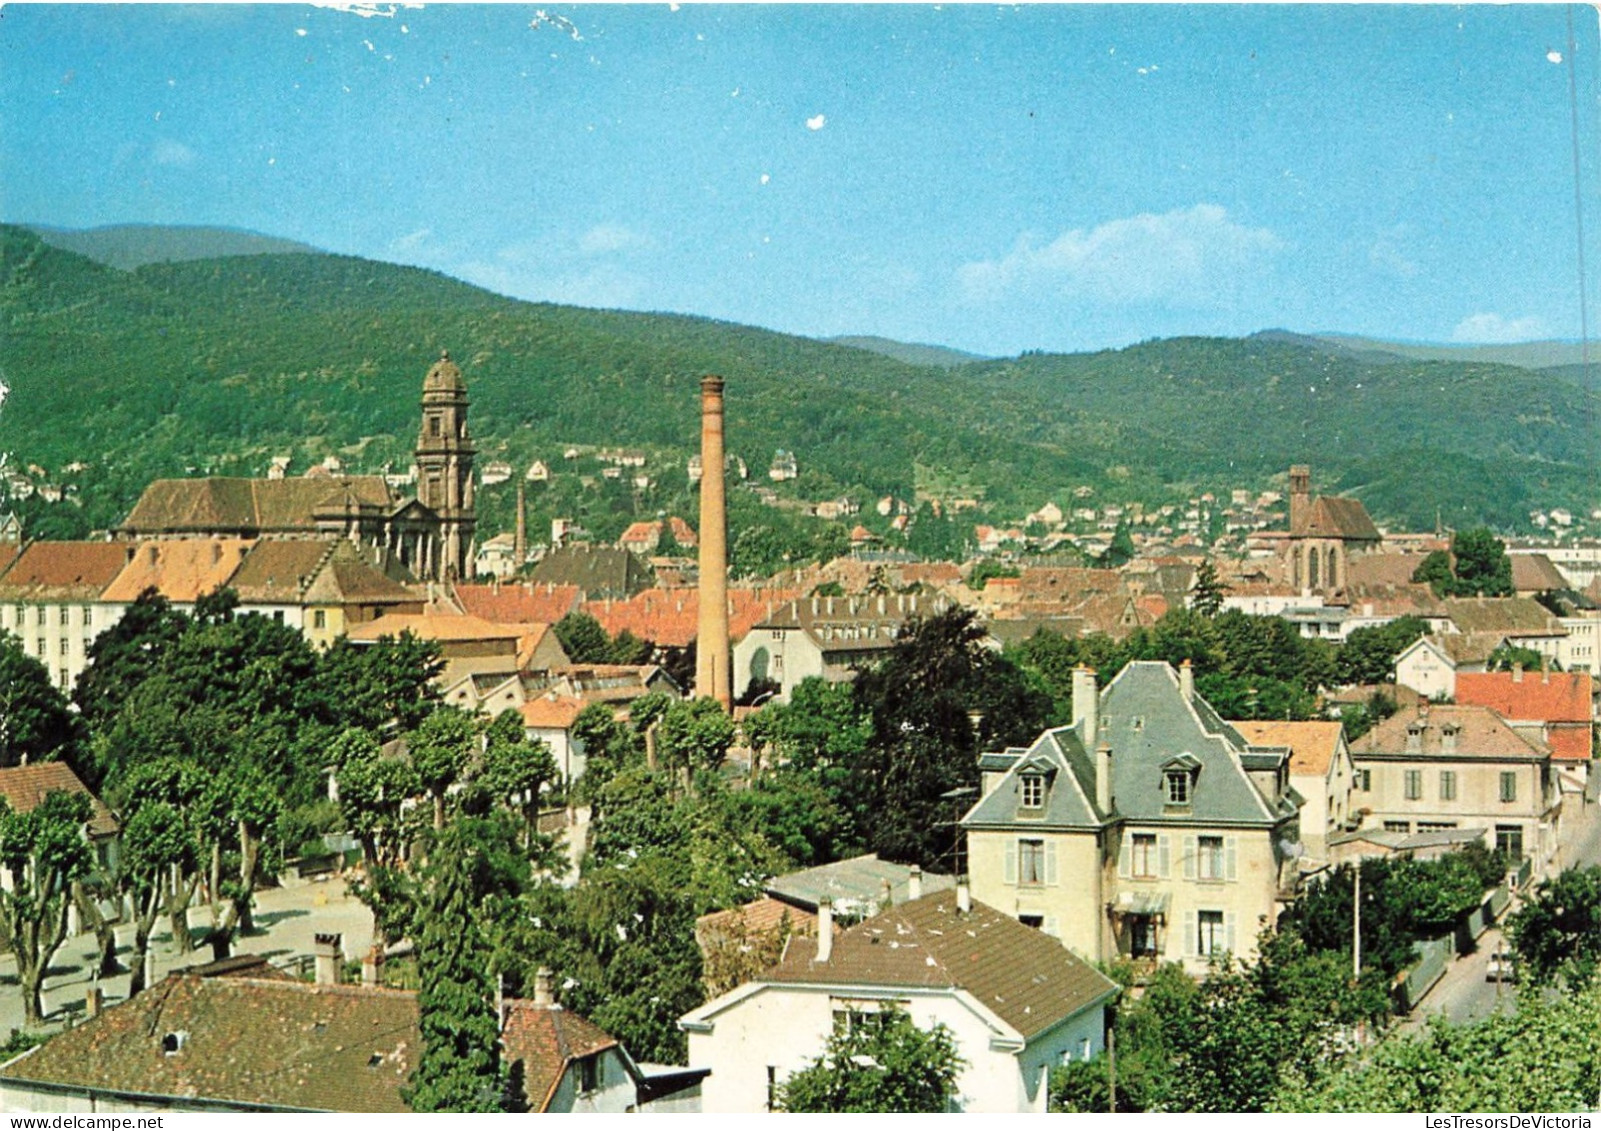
{"points": [[445, 468]]}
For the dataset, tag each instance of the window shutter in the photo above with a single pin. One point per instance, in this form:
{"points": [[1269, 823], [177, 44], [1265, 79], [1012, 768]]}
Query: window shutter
{"points": [[1164, 853], [1050, 927], [1189, 935], [1125, 857], [1228, 848], [1011, 862], [1050, 863], [1189, 862], [1228, 931]]}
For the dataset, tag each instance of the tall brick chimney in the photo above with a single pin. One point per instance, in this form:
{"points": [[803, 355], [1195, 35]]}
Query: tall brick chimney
{"points": [[519, 544], [712, 656]]}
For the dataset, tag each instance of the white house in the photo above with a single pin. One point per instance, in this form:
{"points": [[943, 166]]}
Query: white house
{"points": [[1014, 999]]}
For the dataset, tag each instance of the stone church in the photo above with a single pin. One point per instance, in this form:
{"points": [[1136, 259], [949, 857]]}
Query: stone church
{"points": [[430, 534], [1326, 534]]}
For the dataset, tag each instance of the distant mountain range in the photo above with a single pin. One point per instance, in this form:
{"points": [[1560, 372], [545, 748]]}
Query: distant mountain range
{"points": [[912, 353], [130, 246], [217, 362]]}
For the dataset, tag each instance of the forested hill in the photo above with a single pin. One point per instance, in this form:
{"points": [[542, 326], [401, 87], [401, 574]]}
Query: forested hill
{"points": [[217, 365]]}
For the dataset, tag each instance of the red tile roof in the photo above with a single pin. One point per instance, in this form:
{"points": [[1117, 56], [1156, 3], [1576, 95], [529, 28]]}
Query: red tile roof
{"points": [[519, 604], [1311, 744], [434, 626], [73, 571], [1559, 699], [546, 1039], [1480, 733], [551, 712], [24, 787], [181, 569]]}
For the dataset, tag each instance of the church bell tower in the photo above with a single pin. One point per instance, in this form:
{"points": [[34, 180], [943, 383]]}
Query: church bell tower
{"points": [[445, 468]]}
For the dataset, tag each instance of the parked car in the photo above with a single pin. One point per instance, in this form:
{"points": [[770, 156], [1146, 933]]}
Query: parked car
{"points": [[1501, 968]]}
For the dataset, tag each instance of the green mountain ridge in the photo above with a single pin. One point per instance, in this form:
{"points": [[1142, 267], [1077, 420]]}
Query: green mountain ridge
{"points": [[216, 365], [130, 246]]}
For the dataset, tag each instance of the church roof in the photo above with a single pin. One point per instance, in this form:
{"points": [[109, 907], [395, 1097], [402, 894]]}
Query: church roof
{"points": [[221, 505], [444, 376], [1332, 517]]}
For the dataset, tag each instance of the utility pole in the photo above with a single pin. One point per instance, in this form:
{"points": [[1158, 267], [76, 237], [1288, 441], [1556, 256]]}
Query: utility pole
{"points": [[1111, 1070], [1356, 924]]}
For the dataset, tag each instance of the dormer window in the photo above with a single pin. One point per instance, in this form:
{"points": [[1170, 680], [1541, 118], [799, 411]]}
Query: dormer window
{"points": [[1033, 791], [1178, 787], [1178, 780]]}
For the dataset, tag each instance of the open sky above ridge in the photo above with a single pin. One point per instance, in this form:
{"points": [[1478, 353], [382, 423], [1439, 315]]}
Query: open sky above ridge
{"points": [[990, 178]]}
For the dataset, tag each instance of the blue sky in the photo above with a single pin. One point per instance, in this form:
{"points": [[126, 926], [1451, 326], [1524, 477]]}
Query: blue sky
{"points": [[990, 178]]}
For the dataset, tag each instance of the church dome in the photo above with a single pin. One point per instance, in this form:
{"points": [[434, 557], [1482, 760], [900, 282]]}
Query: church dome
{"points": [[444, 376]]}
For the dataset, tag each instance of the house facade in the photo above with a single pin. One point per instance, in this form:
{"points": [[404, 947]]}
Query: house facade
{"points": [[1015, 1001], [1439, 768], [1321, 771], [1148, 829]]}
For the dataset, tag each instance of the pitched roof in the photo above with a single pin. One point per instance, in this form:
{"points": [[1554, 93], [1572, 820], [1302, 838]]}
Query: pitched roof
{"points": [[223, 505], [1533, 573], [552, 711], [278, 570], [1382, 569], [519, 604], [1146, 720], [1311, 744], [759, 915], [546, 1038], [1560, 699], [1510, 616], [247, 1041], [272, 1042], [852, 884], [1022, 975], [355, 575], [1478, 733], [181, 570], [600, 571], [433, 626], [1333, 517], [70, 571], [8, 554], [24, 787]]}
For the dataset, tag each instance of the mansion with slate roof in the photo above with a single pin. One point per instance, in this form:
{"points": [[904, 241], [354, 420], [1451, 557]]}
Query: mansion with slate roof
{"points": [[431, 535], [1148, 829]]}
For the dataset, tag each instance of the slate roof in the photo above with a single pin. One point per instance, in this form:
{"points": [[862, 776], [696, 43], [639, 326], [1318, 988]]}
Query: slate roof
{"points": [[1311, 744], [1147, 722], [63, 571], [223, 505], [24, 787], [1024, 976], [600, 571], [352, 577], [1481, 733], [852, 884]]}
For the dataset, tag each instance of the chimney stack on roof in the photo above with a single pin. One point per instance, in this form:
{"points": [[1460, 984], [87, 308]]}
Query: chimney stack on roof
{"points": [[372, 966], [1187, 680], [914, 884], [1517, 673], [1086, 704], [543, 994], [1103, 779], [964, 895], [825, 928], [326, 949]]}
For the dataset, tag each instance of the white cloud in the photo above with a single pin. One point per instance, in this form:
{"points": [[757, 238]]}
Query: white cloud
{"points": [[1492, 329], [817, 123], [1553, 56], [608, 239], [169, 152], [365, 10], [1189, 255], [411, 241]]}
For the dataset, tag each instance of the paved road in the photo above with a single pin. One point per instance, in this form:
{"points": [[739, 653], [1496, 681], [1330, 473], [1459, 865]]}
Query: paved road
{"points": [[286, 920], [1463, 994]]}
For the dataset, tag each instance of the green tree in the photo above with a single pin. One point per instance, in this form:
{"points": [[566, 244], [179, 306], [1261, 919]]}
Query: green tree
{"points": [[1206, 595], [1435, 571], [459, 1068], [44, 851], [986, 570], [125, 655], [1557, 933], [156, 842], [1482, 567], [1121, 551], [695, 736], [583, 638], [373, 792], [517, 771], [441, 749], [880, 1063], [1368, 654], [35, 724]]}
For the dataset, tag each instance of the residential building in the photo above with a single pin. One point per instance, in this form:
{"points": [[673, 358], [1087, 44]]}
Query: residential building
{"points": [[24, 787], [1518, 621], [828, 637], [1148, 829], [1554, 707], [1015, 1000], [196, 1042], [1321, 771], [50, 600], [1439, 767], [1430, 665]]}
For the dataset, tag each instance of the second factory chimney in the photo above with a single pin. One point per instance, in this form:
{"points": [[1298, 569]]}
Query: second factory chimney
{"points": [[712, 655]]}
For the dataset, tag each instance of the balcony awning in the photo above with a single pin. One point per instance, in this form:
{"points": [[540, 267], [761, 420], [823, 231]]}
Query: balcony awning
{"points": [[1142, 903]]}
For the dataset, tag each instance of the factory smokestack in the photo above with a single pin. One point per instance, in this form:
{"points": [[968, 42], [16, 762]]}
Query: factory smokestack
{"points": [[519, 545], [712, 656]]}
